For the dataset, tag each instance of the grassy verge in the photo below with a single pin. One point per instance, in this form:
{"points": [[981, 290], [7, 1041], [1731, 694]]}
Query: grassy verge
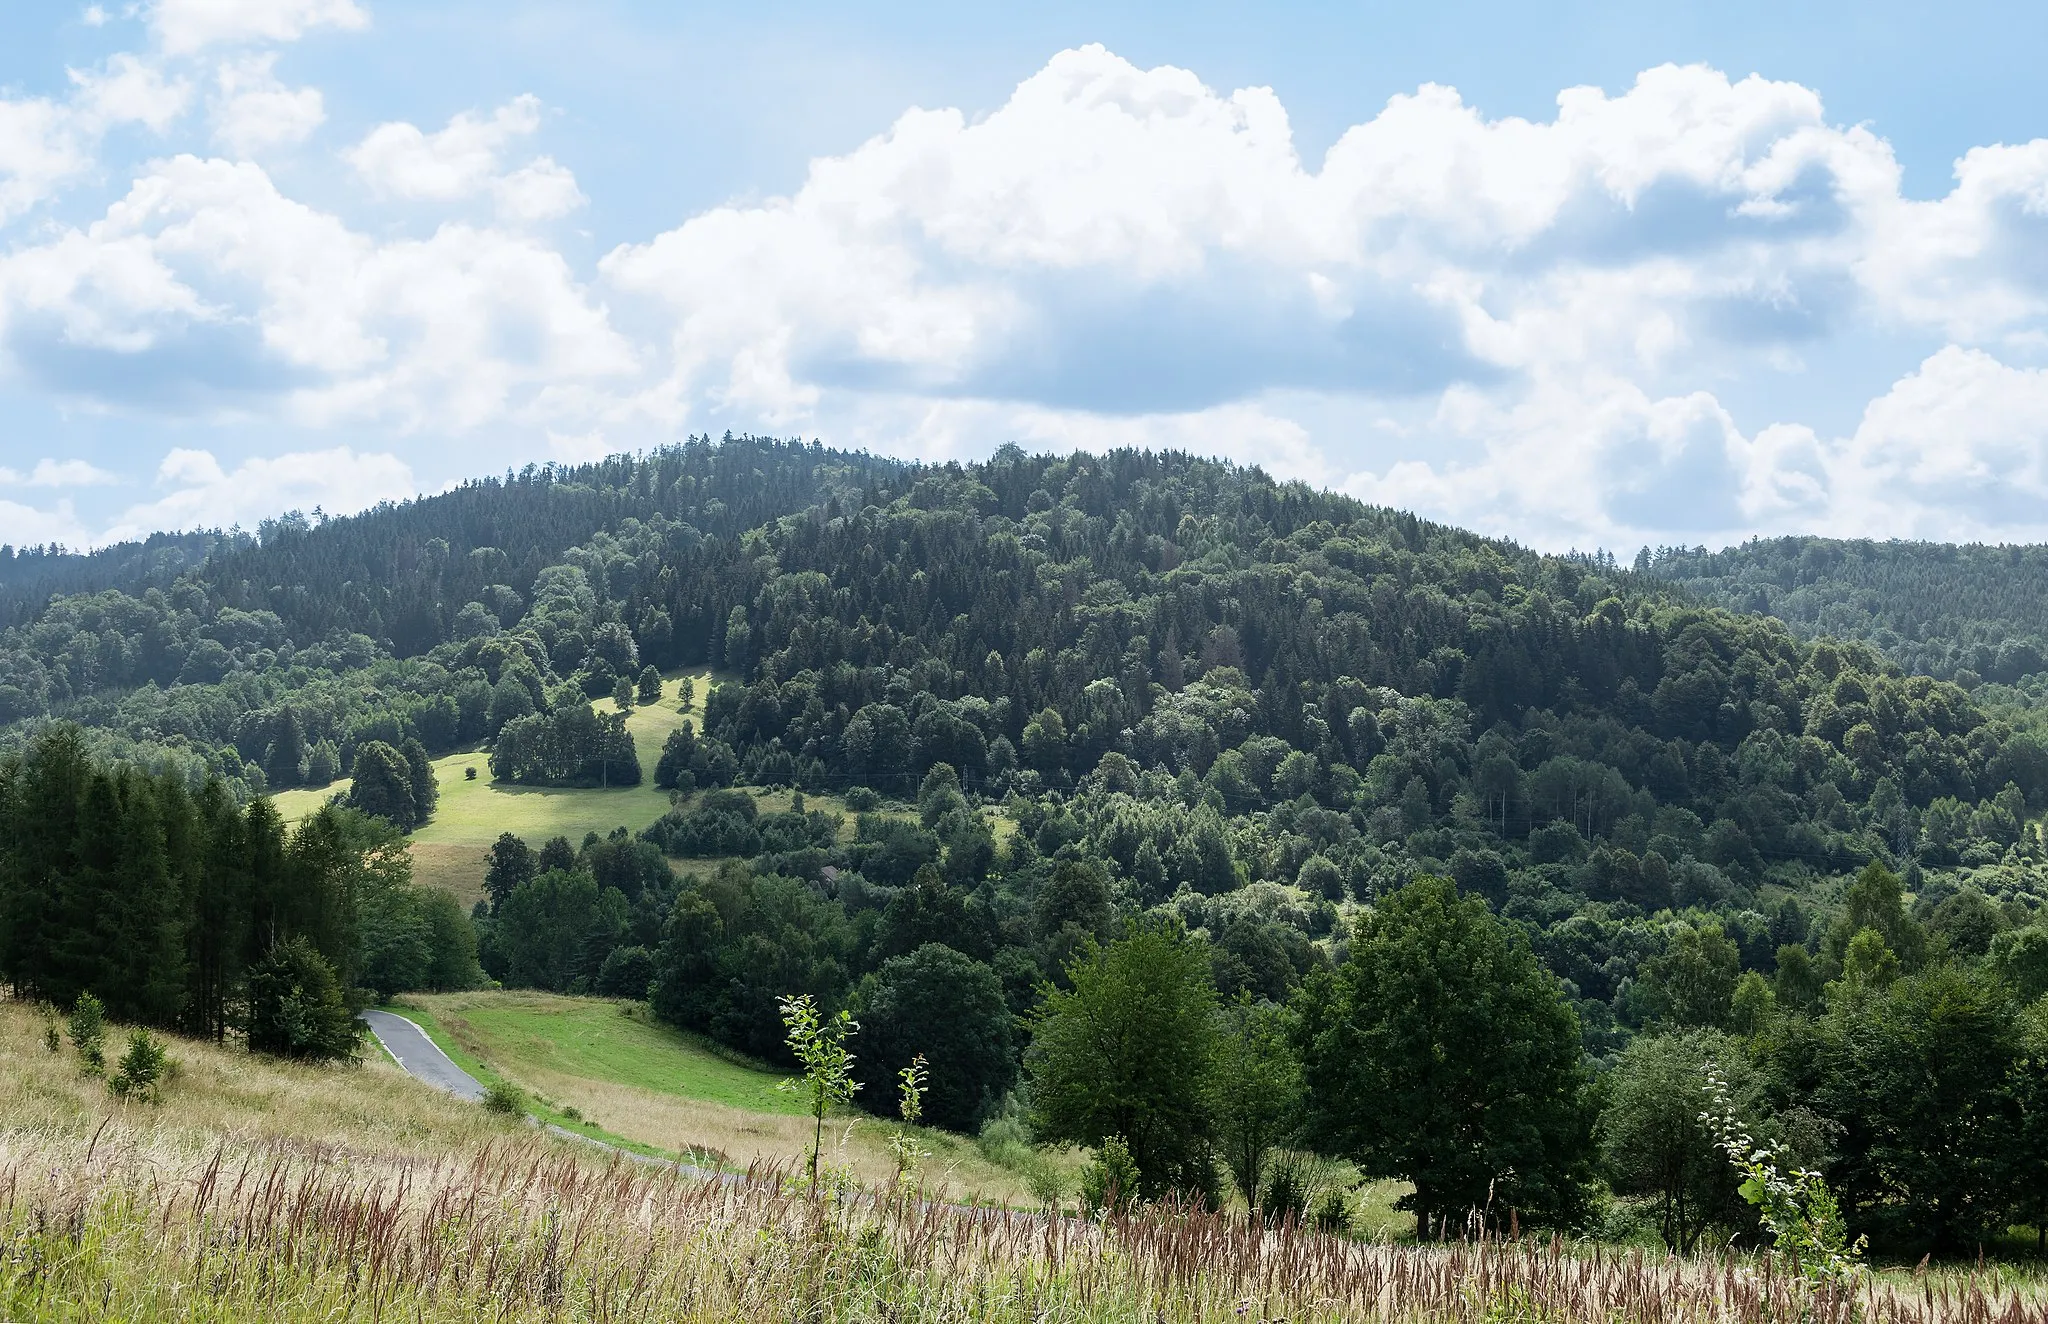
{"points": [[662, 1091]]}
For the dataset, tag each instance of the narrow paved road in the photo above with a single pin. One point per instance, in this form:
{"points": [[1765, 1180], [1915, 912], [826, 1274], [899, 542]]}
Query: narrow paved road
{"points": [[421, 1057]]}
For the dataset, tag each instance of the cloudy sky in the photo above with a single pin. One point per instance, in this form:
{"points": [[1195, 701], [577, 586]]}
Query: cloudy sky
{"points": [[1581, 276]]}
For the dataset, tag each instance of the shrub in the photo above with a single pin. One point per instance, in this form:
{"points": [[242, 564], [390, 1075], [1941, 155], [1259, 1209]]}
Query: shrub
{"points": [[89, 1033], [626, 973], [505, 1099], [296, 1008], [863, 799], [142, 1071], [1109, 1184]]}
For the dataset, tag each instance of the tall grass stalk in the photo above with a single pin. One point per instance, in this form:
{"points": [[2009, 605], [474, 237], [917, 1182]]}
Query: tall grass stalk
{"points": [[522, 1231]]}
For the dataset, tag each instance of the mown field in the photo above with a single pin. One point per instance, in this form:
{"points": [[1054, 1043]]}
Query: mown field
{"points": [[656, 1089], [449, 851]]}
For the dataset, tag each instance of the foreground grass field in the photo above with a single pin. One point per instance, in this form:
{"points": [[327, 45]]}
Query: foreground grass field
{"points": [[267, 1191], [664, 1091]]}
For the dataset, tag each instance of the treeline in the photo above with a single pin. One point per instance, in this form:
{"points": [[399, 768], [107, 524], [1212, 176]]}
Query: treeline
{"points": [[1966, 613], [31, 576], [1424, 1041], [190, 912]]}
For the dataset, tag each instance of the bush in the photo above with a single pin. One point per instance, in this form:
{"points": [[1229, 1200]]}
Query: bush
{"points": [[505, 1099], [89, 1033], [863, 799], [296, 1007], [1109, 1184], [143, 1069]]}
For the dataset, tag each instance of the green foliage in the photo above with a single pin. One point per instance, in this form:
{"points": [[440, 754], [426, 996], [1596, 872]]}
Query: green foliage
{"points": [[1128, 1051], [1692, 983], [571, 746], [1654, 1141], [1442, 1053], [511, 863], [911, 1084], [505, 1099], [1929, 1075], [1258, 1091], [1795, 1206], [557, 929], [297, 1008], [383, 786], [819, 1046], [143, 1069], [88, 1033], [1111, 1182], [735, 942], [938, 1005]]}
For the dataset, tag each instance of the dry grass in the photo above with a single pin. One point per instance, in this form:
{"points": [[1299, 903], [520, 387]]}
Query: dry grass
{"points": [[262, 1191], [511, 1233], [224, 1093]]}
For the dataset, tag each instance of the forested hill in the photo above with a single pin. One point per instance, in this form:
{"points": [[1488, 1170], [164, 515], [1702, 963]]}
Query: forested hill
{"points": [[1937, 608], [1064, 694], [31, 576]]}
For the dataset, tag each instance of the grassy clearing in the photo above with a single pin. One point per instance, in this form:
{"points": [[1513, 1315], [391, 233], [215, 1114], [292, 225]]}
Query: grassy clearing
{"points": [[665, 1091], [449, 852]]}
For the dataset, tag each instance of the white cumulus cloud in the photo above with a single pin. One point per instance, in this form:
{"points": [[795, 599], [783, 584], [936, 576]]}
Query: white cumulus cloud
{"points": [[198, 492], [185, 26], [463, 160], [1611, 324], [254, 112]]}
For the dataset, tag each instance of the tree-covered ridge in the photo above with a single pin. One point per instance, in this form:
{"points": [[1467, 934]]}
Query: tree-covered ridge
{"points": [[1937, 608], [31, 576], [1067, 702]]}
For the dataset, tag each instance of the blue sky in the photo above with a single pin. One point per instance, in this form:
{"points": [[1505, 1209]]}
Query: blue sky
{"points": [[259, 254]]}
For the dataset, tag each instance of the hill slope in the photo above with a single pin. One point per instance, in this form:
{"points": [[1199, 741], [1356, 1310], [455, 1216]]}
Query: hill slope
{"points": [[1935, 608]]}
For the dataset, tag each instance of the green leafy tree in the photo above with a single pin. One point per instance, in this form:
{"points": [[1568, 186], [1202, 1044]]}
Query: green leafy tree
{"points": [[650, 687], [297, 1008], [2020, 958], [938, 1005], [383, 785], [1654, 1141], [419, 770], [1442, 1053], [1692, 982], [819, 1046], [1926, 1076], [1258, 1091], [511, 863], [1129, 1050]]}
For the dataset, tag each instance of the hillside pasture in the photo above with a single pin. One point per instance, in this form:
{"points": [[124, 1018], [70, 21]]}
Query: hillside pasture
{"points": [[669, 1091]]}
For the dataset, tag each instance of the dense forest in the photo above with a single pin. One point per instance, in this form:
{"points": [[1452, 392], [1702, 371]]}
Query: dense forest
{"points": [[1142, 722], [1967, 613]]}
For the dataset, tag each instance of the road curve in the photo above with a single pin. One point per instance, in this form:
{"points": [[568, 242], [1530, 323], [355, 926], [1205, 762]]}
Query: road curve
{"points": [[421, 1057]]}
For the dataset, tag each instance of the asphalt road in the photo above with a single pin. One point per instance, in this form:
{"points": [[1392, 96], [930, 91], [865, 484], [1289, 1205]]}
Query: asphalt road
{"points": [[421, 1057]]}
